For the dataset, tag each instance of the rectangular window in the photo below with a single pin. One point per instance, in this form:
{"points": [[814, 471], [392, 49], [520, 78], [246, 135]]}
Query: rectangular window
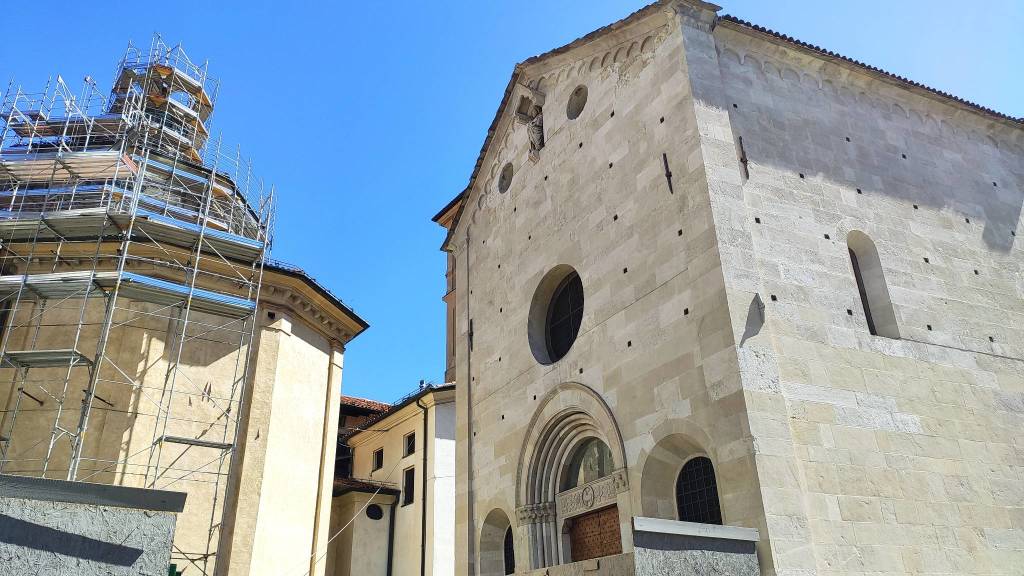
{"points": [[410, 444], [378, 459], [408, 486]]}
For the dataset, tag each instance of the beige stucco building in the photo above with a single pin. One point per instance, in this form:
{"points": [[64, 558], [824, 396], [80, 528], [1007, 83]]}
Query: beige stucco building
{"points": [[148, 340], [704, 274], [395, 512]]}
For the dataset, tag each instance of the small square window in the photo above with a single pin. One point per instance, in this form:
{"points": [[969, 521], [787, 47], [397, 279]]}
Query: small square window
{"points": [[408, 486], [410, 444], [378, 459]]}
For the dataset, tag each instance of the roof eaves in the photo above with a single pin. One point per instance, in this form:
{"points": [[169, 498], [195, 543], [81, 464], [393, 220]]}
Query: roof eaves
{"points": [[296, 272]]}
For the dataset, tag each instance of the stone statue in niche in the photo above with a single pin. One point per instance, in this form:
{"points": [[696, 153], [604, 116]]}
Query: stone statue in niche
{"points": [[535, 129]]}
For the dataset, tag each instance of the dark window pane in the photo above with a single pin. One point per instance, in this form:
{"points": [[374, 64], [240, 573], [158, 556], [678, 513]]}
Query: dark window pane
{"points": [[697, 493], [565, 314], [510, 553], [408, 486]]}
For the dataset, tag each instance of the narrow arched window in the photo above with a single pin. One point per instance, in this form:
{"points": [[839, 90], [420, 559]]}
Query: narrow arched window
{"points": [[510, 552], [874, 294], [697, 492]]}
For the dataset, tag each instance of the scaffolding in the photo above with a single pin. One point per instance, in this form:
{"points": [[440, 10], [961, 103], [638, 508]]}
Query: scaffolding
{"points": [[131, 257]]}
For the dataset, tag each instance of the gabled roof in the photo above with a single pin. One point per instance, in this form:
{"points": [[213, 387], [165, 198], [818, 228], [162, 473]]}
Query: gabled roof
{"points": [[727, 18]]}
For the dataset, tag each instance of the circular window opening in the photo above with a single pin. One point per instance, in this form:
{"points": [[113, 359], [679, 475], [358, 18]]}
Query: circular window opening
{"points": [[505, 178], [374, 512], [577, 100], [555, 314]]}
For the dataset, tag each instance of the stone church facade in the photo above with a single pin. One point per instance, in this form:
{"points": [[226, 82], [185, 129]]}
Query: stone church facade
{"points": [[707, 274]]}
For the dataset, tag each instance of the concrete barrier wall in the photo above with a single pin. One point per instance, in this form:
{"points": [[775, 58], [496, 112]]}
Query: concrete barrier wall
{"points": [[107, 530]]}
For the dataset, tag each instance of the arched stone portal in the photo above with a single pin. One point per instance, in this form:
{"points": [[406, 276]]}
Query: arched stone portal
{"points": [[661, 468], [570, 419]]}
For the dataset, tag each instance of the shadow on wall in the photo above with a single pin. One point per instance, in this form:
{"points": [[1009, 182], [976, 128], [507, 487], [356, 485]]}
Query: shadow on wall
{"points": [[875, 144], [20, 533]]}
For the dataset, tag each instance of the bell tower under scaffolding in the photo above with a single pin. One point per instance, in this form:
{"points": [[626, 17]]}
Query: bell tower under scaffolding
{"points": [[132, 248]]}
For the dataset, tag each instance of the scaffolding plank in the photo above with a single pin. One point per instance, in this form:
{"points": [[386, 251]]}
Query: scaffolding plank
{"points": [[62, 166], [196, 442], [89, 222], [49, 286], [132, 286], [43, 358], [149, 289]]}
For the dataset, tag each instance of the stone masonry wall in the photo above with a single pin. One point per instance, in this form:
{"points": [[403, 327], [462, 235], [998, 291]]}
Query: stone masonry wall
{"points": [[907, 452], [655, 338]]}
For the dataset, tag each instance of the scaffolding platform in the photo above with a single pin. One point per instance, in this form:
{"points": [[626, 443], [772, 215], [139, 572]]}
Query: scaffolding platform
{"points": [[43, 359], [27, 167], [41, 127], [149, 226], [138, 287]]}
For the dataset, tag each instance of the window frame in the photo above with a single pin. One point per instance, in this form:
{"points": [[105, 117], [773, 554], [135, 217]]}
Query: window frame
{"points": [[409, 486], [713, 489], [378, 463], [408, 450]]}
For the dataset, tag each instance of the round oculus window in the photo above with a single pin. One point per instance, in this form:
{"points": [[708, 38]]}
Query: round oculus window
{"points": [[556, 314], [505, 178], [577, 101], [374, 512]]}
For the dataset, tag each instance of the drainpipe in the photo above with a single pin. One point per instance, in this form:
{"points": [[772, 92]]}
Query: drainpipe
{"points": [[423, 499], [391, 535]]}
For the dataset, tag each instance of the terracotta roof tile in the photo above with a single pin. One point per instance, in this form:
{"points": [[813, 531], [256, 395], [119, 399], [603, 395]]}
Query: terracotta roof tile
{"points": [[365, 403]]}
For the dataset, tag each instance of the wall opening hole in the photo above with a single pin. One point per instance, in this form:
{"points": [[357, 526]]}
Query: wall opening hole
{"points": [[577, 101], [849, 312], [775, 298], [505, 178], [757, 220]]}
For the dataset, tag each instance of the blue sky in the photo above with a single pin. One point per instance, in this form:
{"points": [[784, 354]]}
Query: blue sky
{"points": [[368, 116]]}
